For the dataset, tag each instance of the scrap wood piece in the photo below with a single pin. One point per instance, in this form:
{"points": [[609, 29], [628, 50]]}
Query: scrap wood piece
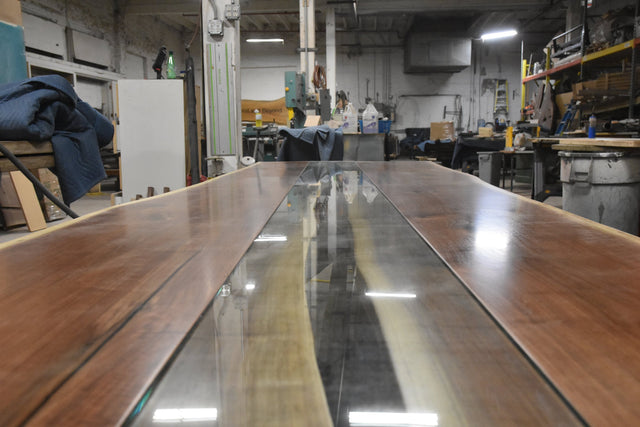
{"points": [[28, 201], [603, 142]]}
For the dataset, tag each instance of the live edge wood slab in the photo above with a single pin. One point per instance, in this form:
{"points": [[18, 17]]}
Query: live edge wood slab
{"points": [[566, 289], [91, 312]]}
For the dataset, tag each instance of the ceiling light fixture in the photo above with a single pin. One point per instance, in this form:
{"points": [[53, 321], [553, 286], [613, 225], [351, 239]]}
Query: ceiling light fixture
{"points": [[276, 40], [498, 35]]}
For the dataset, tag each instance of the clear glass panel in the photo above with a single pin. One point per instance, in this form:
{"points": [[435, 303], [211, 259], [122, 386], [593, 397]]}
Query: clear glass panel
{"points": [[340, 313]]}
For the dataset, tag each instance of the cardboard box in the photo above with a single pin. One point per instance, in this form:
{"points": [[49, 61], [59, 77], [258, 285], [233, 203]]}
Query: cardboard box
{"points": [[11, 12], [485, 132], [562, 100], [441, 130]]}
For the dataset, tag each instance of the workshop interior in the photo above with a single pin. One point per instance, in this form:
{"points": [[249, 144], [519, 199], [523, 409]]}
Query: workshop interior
{"points": [[319, 212]]}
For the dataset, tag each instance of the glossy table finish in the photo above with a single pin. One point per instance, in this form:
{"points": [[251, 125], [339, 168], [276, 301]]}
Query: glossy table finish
{"points": [[522, 315], [90, 312], [565, 289], [345, 311]]}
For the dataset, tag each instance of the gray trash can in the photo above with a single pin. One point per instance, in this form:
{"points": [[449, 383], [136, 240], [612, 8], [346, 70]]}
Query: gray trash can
{"points": [[603, 187], [489, 166]]}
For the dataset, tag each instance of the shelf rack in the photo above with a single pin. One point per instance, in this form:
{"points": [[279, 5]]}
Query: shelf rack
{"points": [[601, 54]]}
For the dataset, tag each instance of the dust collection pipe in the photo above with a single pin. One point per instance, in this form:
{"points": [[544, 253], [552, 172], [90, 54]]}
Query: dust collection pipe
{"points": [[13, 159]]}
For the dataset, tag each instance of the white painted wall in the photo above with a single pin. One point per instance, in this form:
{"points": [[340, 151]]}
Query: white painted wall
{"points": [[263, 66], [133, 43], [263, 70]]}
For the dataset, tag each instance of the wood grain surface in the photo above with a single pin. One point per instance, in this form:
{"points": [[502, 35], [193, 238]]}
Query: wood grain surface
{"points": [[21, 148], [599, 142], [564, 288], [93, 310]]}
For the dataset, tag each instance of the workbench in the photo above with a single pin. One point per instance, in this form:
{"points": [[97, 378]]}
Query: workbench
{"points": [[295, 293]]}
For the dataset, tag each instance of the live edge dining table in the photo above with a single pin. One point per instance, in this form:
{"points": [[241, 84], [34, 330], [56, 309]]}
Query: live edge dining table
{"points": [[318, 294]]}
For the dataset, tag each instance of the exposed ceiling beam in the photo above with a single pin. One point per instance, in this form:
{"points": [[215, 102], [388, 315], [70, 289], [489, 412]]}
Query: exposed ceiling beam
{"points": [[250, 19], [162, 7], [284, 22], [270, 6], [371, 7]]}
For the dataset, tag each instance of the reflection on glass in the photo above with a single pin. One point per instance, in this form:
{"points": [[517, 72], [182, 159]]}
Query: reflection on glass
{"points": [[225, 290], [388, 295], [392, 419], [185, 415], [271, 238]]}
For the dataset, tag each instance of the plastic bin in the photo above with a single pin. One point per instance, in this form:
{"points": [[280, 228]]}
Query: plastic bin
{"points": [[489, 166], [603, 187]]}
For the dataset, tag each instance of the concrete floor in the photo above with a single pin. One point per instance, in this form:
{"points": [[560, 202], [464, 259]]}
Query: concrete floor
{"points": [[87, 204]]}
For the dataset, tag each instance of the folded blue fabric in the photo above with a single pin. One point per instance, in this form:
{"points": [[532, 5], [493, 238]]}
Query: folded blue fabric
{"points": [[327, 141], [47, 108]]}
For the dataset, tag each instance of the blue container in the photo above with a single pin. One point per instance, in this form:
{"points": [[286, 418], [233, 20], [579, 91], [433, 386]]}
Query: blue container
{"points": [[384, 126]]}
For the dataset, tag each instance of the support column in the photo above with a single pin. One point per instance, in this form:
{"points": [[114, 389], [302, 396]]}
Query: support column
{"points": [[307, 40], [331, 54]]}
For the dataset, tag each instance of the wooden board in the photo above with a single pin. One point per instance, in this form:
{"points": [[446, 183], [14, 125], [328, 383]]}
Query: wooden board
{"points": [[589, 148], [8, 196], [272, 111], [85, 328], [28, 201], [13, 217], [20, 148], [563, 287], [601, 142], [30, 162]]}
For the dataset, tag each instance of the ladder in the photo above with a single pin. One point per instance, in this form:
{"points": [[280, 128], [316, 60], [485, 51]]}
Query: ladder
{"points": [[501, 101]]}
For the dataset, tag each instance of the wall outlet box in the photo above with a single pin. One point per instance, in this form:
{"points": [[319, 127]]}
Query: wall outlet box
{"points": [[215, 27], [232, 12]]}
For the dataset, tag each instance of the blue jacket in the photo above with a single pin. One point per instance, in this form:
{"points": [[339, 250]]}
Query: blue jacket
{"points": [[47, 108]]}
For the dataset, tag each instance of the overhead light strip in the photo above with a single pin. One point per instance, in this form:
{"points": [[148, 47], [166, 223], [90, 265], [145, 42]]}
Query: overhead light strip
{"points": [[498, 35], [276, 40]]}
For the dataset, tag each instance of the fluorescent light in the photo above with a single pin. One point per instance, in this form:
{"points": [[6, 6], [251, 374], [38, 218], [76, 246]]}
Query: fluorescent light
{"points": [[270, 238], [498, 35], [250, 286], [276, 40], [388, 419], [388, 295], [185, 415]]}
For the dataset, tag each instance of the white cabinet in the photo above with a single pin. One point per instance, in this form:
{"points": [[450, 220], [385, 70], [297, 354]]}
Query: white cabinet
{"points": [[151, 135]]}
